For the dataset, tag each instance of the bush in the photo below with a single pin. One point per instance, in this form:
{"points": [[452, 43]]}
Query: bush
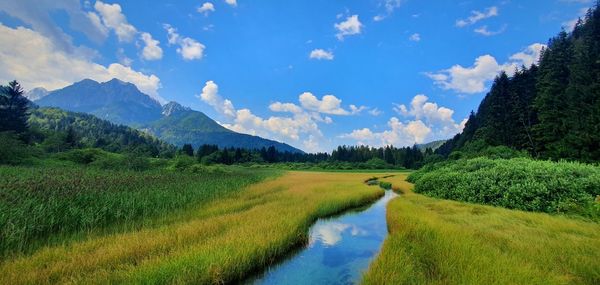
{"points": [[12, 150], [520, 183]]}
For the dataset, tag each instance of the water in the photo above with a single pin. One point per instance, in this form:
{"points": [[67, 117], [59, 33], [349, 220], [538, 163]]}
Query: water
{"points": [[340, 249]]}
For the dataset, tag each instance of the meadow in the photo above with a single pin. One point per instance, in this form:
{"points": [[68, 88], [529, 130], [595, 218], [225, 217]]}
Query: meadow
{"points": [[42, 204], [220, 241], [434, 241]]}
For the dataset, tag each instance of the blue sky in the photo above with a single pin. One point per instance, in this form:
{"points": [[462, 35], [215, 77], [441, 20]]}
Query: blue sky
{"points": [[314, 74]]}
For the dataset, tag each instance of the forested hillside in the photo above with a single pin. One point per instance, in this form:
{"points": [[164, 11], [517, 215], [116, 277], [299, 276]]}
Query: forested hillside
{"points": [[551, 110], [62, 130]]}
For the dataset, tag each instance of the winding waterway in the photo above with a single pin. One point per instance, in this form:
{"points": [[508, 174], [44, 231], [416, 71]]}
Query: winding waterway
{"points": [[340, 249]]}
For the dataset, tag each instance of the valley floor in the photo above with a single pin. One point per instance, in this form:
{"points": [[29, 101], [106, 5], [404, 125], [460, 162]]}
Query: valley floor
{"points": [[435, 241], [220, 242], [431, 241]]}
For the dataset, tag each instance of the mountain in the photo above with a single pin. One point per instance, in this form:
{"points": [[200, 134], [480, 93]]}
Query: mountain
{"points": [[122, 103], [90, 131], [115, 101], [36, 94], [432, 145], [180, 125], [550, 110]]}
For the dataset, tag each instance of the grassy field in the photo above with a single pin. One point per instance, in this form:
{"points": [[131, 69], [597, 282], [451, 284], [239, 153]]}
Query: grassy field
{"points": [[216, 242], [436, 241], [49, 204]]}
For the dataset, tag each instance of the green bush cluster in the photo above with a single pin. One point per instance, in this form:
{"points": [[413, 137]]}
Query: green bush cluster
{"points": [[519, 183], [37, 202]]}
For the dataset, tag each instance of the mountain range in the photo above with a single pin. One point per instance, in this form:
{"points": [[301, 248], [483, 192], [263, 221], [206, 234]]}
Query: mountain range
{"points": [[123, 103]]}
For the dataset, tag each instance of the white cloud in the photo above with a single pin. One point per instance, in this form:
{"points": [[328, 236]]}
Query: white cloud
{"points": [[189, 48], [50, 67], [483, 30], [477, 16], [113, 18], [298, 125], [416, 37], [321, 54], [210, 95], [474, 79], [151, 50], [375, 112], [232, 3], [570, 25], [351, 26], [329, 104], [378, 18], [398, 134], [390, 6], [529, 56], [426, 121], [437, 118], [206, 8], [285, 107], [37, 15]]}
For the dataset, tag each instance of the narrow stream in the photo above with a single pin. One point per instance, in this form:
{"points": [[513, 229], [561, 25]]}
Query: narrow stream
{"points": [[340, 249]]}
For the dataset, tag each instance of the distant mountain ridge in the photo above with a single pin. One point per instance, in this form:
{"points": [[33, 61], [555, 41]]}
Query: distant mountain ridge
{"points": [[123, 103]]}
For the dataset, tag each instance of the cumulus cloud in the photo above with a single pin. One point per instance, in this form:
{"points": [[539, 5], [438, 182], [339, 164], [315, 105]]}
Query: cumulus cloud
{"points": [[37, 14], [189, 48], [321, 54], [113, 18], [285, 107], [50, 67], [329, 104], [295, 124], [351, 26], [232, 3], [398, 134], [425, 121], [416, 37], [206, 8], [474, 79], [151, 50], [210, 95], [438, 118], [477, 16]]}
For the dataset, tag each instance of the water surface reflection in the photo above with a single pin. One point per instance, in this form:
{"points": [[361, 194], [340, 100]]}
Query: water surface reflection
{"points": [[339, 249]]}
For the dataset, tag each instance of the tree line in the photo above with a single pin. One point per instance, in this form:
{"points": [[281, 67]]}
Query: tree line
{"points": [[389, 156], [550, 110]]}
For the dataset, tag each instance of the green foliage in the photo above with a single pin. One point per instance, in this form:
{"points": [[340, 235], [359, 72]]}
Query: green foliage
{"points": [[39, 202], [13, 151], [385, 185], [519, 183], [550, 111], [13, 108], [62, 130]]}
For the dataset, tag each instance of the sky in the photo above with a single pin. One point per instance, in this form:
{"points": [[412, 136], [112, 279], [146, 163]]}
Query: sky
{"points": [[313, 74]]}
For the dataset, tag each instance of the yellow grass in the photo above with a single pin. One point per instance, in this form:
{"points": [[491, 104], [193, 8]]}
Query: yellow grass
{"points": [[220, 242], [444, 242]]}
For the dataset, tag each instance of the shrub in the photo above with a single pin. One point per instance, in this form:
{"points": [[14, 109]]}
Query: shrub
{"points": [[520, 183]]}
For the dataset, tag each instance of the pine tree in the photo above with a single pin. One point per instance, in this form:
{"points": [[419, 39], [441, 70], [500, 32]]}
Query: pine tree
{"points": [[187, 149], [13, 109]]}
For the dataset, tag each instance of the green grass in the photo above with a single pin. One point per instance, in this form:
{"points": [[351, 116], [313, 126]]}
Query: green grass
{"points": [[435, 241], [37, 203], [217, 242], [524, 184]]}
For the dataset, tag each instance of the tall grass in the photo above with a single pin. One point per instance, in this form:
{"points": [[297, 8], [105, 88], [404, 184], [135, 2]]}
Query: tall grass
{"points": [[436, 241], [38, 202], [524, 184], [219, 242]]}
